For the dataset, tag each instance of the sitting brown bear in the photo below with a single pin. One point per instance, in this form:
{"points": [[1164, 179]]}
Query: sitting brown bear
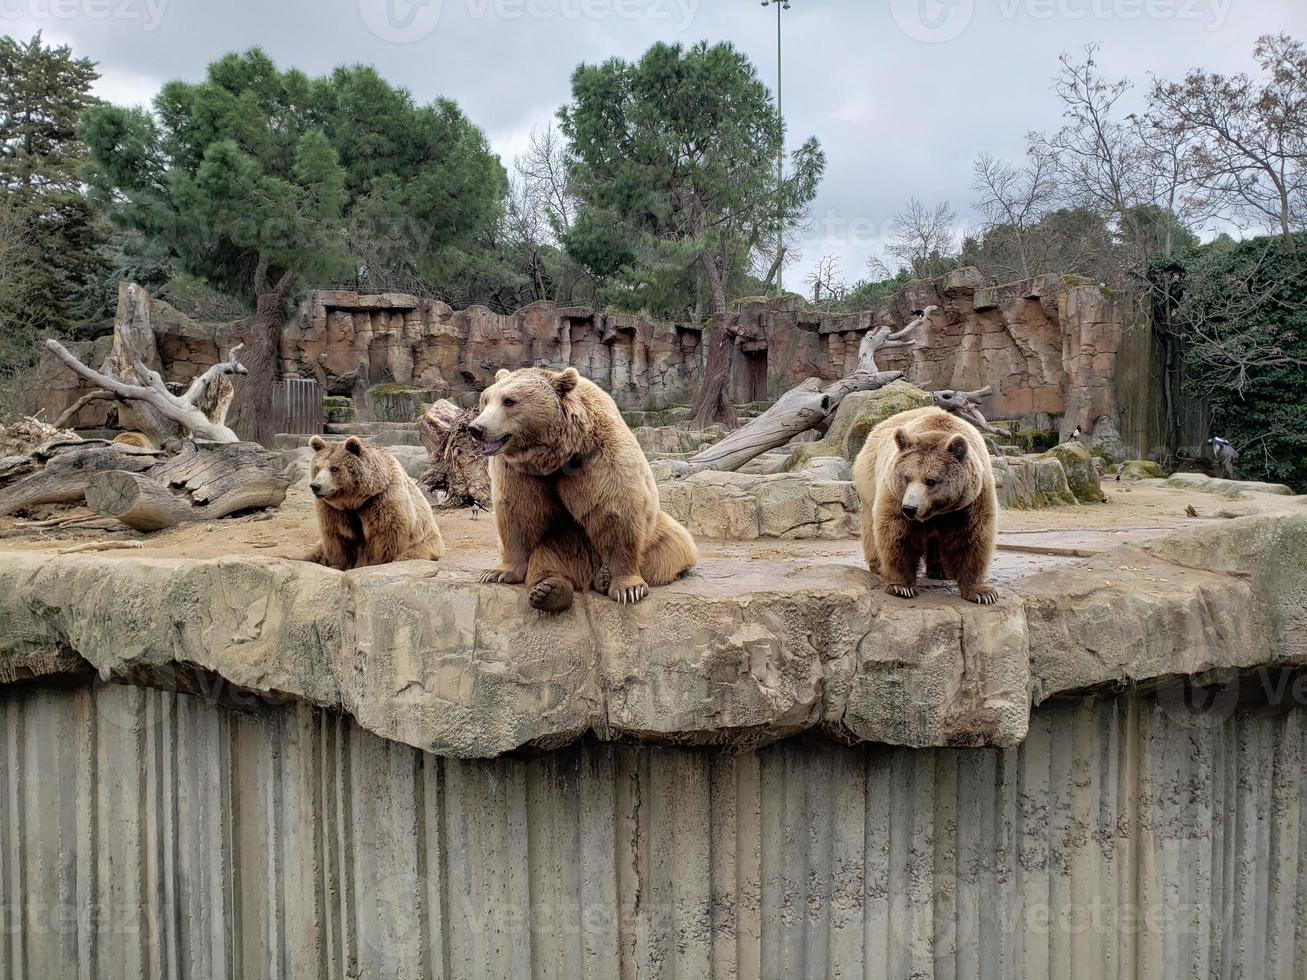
{"points": [[927, 490], [369, 511], [575, 501]]}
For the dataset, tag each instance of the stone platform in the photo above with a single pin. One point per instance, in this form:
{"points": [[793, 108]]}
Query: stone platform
{"points": [[754, 646]]}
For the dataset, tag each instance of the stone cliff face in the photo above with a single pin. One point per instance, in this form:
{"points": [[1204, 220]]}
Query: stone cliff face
{"points": [[1048, 346]]}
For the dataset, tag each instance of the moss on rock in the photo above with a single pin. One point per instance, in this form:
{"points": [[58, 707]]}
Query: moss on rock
{"points": [[1081, 476], [1142, 469]]}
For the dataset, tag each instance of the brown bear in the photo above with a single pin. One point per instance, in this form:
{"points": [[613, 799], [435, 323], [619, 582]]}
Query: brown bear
{"points": [[138, 439], [927, 490], [369, 511], [575, 501]]}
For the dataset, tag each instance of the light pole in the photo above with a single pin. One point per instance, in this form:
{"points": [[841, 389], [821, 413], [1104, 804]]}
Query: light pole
{"points": [[780, 5]]}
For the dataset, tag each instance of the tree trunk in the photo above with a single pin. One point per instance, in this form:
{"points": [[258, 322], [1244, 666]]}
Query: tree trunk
{"points": [[714, 402], [458, 466], [67, 472], [133, 343], [252, 406]]}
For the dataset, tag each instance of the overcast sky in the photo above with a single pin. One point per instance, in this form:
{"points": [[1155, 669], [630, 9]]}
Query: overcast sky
{"points": [[901, 93]]}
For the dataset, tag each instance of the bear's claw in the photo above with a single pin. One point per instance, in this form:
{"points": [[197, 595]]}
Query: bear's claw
{"points": [[553, 595], [628, 595], [500, 576], [901, 591], [983, 597]]}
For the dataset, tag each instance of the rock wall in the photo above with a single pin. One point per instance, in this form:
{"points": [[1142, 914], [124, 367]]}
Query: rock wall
{"points": [[149, 833], [1048, 346]]}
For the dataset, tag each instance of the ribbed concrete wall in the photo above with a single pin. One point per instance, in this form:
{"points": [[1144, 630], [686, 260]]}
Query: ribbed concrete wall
{"points": [[148, 834]]}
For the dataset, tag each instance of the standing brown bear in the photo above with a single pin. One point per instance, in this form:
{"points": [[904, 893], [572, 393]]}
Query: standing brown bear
{"points": [[927, 490], [575, 501], [369, 511]]}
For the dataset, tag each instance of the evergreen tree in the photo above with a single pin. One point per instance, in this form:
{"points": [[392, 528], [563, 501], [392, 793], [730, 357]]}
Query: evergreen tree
{"points": [[43, 92]]}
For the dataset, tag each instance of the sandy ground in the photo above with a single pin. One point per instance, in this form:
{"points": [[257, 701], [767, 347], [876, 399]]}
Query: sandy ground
{"points": [[1028, 542]]}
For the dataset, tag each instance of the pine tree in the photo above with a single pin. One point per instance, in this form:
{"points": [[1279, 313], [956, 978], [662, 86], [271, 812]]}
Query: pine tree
{"points": [[43, 91]]}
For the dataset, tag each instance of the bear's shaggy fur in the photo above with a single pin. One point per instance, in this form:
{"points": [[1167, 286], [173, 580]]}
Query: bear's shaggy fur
{"points": [[369, 511], [575, 501], [138, 439], [927, 491]]}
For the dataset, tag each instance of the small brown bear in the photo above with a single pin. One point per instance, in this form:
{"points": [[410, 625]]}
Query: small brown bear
{"points": [[575, 501], [138, 439], [927, 490], [369, 511]]}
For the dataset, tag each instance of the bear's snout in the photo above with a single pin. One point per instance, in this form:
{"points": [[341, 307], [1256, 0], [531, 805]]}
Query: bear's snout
{"points": [[909, 511], [476, 432]]}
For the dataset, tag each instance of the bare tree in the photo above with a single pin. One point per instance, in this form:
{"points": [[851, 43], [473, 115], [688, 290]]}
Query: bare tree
{"points": [[828, 289], [543, 170], [1246, 142], [1013, 203], [923, 238]]}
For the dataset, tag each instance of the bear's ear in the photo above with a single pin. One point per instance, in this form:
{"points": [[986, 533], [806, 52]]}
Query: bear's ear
{"points": [[957, 447], [354, 445], [502, 373], [316, 443], [901, 439], [565, 381]]}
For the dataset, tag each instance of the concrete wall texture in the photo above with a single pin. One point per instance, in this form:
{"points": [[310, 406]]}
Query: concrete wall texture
{"points": [[151, 834]]}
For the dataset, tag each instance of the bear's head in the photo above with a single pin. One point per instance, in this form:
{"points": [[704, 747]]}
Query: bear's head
{"points": [[345, 475], [933, 474], [525, 411]]}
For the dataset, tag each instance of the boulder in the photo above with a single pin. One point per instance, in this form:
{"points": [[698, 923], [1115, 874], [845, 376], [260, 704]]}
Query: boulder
{"points": [[818, 502], [1081, 476], [1209, 484], [1031, 482], [1141, 469]]}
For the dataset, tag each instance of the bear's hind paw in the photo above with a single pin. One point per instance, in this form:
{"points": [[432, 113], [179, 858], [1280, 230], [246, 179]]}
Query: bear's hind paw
{"points": [[553, 595], [901, 591]]}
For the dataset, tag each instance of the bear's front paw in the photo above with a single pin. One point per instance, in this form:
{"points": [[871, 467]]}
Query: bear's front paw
{"points": [[628, 590], [553, 595], [982, 595], [901, 591], [503, 576]]}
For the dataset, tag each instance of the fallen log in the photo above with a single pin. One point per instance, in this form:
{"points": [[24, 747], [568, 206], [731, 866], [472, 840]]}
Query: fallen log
{"points": [[458, 466], [68, 472], [204, 482]]}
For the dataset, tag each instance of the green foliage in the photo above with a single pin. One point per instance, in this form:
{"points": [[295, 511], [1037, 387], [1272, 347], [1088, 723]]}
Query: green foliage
{"points": [[315, 177], [1239, 311], [867, 295], [48, 231], [674, 162]]}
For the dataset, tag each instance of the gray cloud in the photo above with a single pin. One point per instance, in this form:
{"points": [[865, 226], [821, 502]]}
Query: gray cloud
{"points": [[902, 93]]}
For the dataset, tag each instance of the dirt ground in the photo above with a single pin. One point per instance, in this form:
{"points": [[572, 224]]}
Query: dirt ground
{"points": [[1133, 512]]}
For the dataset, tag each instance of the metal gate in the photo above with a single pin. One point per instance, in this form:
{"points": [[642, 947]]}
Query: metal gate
{"points": [[297, 407]]}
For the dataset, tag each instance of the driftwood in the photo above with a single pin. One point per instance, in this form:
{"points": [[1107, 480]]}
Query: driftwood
{"points": [[200, 412], [966, 405], [203, 482], [805, 405], [67, 471], [458, 466]]}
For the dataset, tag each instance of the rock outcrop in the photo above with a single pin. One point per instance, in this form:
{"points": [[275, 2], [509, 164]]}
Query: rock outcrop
{"points": [[742, 652]]}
